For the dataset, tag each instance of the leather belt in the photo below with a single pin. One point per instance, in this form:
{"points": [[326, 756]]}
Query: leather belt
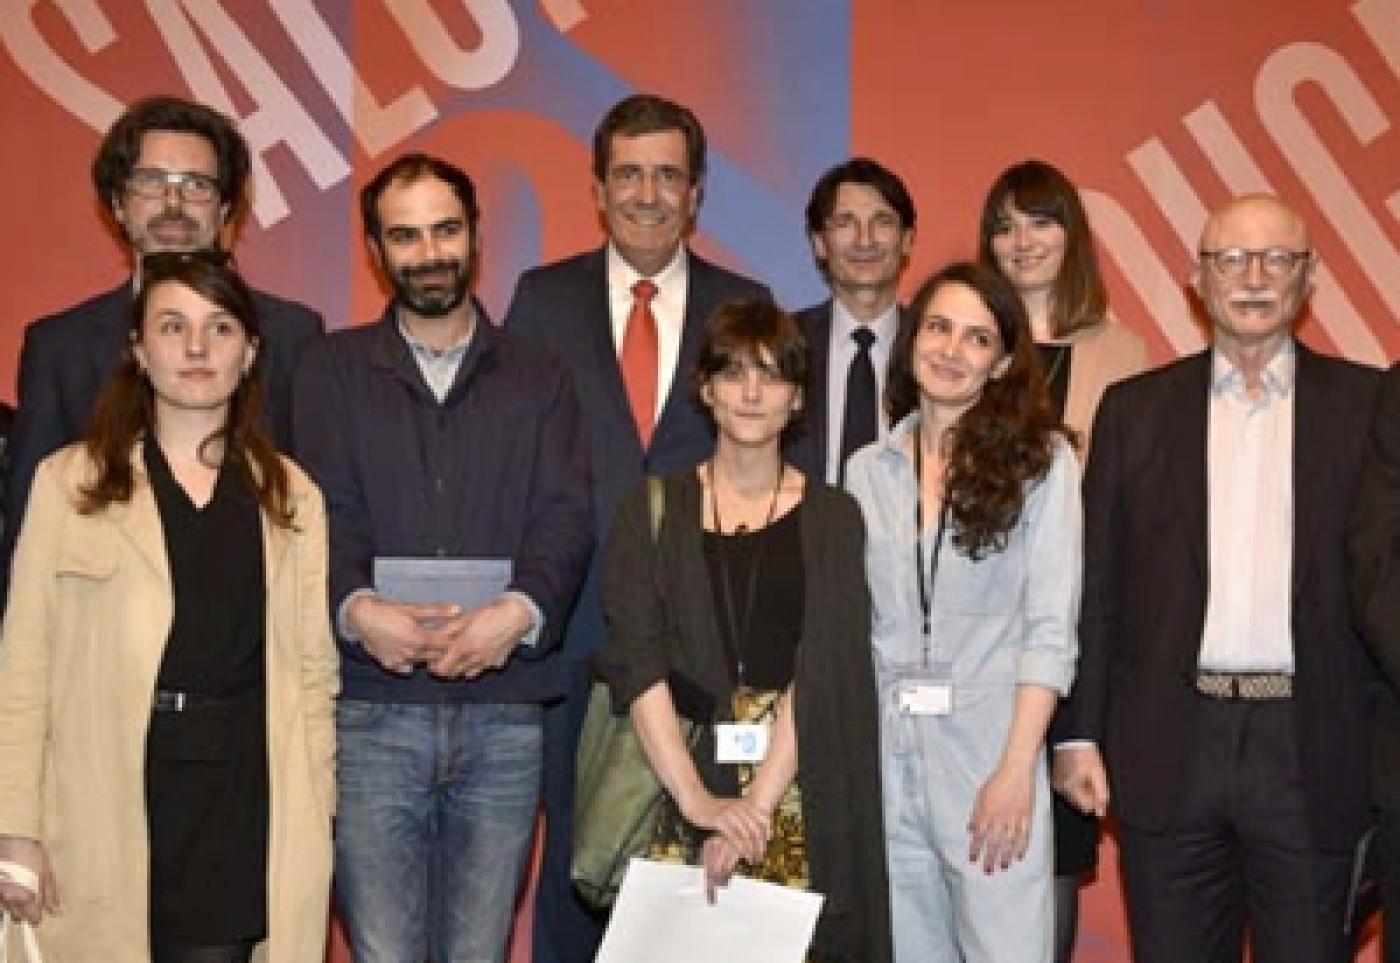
{"points": [[1246, 686], [168, 701]]}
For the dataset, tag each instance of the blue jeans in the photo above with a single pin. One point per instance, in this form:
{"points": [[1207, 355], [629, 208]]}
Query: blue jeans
{"points": [[437, 804]]}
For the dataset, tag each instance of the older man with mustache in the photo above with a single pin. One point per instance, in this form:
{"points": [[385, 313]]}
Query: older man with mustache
{"points": [[1222, 695]]}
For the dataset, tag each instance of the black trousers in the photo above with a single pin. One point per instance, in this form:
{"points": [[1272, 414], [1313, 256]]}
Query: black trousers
{"points": [[1239, 857], [1387, 841]]}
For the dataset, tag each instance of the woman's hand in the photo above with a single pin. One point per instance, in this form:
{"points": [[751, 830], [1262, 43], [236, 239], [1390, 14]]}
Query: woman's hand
{"points": [[1001, 817], [746, 826], [19, 901], [720, 859]]}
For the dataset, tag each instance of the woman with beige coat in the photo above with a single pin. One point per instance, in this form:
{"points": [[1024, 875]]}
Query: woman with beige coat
{"points": [[166, 667]]}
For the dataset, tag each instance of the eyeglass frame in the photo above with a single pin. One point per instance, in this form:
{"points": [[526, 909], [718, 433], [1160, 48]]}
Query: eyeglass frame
{"points": [[183, 181], [1294, 259]]}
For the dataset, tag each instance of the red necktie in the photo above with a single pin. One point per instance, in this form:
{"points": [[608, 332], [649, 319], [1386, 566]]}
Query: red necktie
{"points": [[639, 360]]}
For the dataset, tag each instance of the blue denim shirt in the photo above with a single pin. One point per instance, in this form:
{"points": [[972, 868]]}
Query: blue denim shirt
{"points": [[1010, 617]]}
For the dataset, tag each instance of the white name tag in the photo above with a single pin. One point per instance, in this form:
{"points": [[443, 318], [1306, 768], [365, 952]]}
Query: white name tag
{"points": [[924, 697], [741, 741]]}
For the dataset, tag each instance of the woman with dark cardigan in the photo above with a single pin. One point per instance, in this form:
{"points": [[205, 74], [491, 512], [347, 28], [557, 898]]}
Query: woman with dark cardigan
{"points": [[748, 605]]}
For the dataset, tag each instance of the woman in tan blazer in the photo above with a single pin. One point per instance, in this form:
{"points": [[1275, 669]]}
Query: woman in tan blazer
{"points": [[1035, 232], [166, 667]]}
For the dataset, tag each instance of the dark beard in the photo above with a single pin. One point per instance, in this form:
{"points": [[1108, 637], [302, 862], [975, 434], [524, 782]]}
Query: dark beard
{"points": [[435, 302]]}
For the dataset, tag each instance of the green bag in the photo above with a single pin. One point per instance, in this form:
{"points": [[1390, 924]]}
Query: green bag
{"points": [[617, 797]]}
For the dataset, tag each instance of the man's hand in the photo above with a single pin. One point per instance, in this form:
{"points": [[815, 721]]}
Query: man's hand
{"points": [[481, 639], [394, 633], [17, 900], [1079, 775]]}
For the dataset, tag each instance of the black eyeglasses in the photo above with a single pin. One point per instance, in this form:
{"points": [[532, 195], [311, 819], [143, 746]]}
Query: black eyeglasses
{"points": [[1274, 262], [152, 184]]}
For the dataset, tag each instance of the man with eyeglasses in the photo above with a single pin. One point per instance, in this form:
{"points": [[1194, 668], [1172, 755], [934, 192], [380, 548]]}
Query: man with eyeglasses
{"points": [[172, 174], [627, 319], [1222, 696], [860, 222]]}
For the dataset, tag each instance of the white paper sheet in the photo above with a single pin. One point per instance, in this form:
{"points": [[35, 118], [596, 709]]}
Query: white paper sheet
{"points": [[661, 914]]}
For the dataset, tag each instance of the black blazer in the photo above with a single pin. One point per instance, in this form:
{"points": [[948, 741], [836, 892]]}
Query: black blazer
{"points": [[1145, 584], [66, 358], [564, 306], [661, 616], [1375, 581]]}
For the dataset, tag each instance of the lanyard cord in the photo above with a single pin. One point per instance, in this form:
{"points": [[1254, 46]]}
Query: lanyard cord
{"points": [[925, 587], [738, 631]]}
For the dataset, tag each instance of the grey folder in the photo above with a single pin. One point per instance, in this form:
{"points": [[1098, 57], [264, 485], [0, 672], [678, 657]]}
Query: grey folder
{"points": [[468, 582]]}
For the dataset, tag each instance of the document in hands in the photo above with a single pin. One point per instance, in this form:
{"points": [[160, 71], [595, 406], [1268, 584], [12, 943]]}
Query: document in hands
{"points": [[467, 582], [661, 914]]}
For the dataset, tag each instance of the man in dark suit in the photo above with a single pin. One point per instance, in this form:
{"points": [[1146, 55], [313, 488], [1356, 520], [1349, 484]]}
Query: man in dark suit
{"points": [[173, 175], [860, 220], [627, 319], [1375, 588], [1219, 671]]}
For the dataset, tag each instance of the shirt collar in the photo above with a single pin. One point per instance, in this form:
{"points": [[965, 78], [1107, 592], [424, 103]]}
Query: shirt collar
{"points": [[844, 323], [621, 275], [1278, 376], [896, 443], [423, 349]]}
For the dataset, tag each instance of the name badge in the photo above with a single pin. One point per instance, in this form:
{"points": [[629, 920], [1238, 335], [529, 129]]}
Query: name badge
{"points": [[925, 692], [741, 741]]}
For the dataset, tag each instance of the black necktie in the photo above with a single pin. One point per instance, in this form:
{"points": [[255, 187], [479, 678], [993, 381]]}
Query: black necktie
{"points": [[861, 424]]}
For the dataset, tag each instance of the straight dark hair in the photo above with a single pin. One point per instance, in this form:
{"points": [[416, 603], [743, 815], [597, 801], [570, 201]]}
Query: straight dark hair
{"points": [[741, 330], [648, 114], [1005, 441], [1078, 299], [125, 408], [409, 169]]}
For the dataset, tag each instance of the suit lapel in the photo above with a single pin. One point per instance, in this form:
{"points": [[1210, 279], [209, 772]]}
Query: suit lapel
{"points": [[697, 301], [1186, 453], [819, 349], [597, 338], [1310, 432], [138, 519], [109, 332]]}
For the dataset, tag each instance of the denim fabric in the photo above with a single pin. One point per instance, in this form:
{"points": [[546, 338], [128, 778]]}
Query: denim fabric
{"points": [[436, 807]]}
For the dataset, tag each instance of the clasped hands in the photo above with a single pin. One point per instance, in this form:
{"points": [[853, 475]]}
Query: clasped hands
{"points": [[741, 830], [452, 643]]}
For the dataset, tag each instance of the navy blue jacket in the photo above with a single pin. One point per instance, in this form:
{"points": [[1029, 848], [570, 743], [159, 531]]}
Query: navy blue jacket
{"points": [[497, 470]]}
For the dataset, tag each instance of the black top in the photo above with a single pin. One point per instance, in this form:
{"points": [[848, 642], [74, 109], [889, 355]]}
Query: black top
{"points": [[767, 650], [1055, 359], [207, 786]]}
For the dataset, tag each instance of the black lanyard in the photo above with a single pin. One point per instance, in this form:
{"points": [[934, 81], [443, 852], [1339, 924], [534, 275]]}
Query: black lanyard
{"points": [[926, 587], [739, 629]]}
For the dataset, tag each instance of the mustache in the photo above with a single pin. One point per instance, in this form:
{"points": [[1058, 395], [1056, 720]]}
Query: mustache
{"points": [[174, 219], [432, 267]]}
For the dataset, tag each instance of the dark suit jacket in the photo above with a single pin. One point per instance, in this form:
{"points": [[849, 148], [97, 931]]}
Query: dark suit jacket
{"points": [[1145, 585], [808, 449], [565, 307], [66, 358], [1375, 581]]}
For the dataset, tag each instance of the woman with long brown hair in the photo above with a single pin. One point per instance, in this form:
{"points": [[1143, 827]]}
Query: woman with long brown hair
{"points": [[1035, 233], [166, 666], [971, 510]]}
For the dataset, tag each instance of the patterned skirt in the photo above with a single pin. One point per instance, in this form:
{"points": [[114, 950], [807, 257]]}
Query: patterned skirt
{"points": [[785, 862]]}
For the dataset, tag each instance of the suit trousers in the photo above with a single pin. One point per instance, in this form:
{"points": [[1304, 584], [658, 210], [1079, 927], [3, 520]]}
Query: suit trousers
{"points": [[1238, 858]]}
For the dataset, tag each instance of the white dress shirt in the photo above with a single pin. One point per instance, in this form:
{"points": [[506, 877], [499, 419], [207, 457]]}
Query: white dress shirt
{"points": [[668, 307], [1249, 479], [841, 352]]}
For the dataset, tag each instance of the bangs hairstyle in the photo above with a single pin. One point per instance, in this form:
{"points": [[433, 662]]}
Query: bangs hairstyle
{"points": [[1004, 443], [125, 409], [1078, 299], [742, 330]]}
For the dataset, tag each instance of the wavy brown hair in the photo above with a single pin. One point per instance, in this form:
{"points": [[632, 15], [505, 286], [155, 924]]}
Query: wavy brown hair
{"points": [[1004, 443], [125, 409], [1078, 299]]}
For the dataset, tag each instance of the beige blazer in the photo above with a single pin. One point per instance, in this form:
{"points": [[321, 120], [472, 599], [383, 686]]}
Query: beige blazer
{"points": [[1099, 356], [89, 610]]}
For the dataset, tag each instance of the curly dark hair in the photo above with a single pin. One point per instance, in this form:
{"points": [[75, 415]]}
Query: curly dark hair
{"points": [[1004, 443]]}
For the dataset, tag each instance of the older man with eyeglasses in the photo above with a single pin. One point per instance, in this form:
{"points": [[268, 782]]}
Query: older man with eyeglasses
{"points": [[1222, 696], [173, 175]]}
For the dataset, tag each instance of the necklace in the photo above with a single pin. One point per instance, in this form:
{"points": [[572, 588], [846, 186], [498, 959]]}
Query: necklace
{"points": [[742, 529]]}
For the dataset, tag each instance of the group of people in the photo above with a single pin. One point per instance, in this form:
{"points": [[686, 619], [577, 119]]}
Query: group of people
{"points": [[838, 567]]}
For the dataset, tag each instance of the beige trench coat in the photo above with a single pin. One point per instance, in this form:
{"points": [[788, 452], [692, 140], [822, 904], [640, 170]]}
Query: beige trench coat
{"points": [[89, 610]]}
